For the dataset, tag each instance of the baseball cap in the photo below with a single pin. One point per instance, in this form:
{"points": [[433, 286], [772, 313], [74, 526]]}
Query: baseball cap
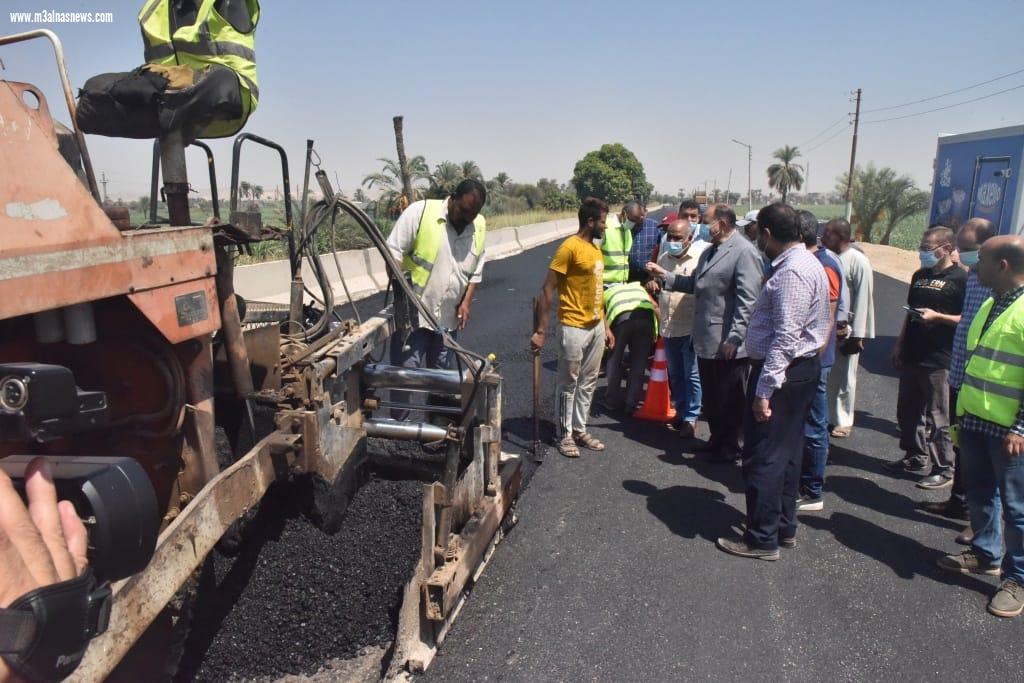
{"points": [[669, 217], [748, 218]]}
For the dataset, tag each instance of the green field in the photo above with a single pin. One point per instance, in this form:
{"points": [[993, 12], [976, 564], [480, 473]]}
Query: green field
{"points": [[347, 235], [906, 234]]}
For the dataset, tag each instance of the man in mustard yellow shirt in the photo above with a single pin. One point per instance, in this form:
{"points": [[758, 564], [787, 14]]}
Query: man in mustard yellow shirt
{"points": [[576, 273]]}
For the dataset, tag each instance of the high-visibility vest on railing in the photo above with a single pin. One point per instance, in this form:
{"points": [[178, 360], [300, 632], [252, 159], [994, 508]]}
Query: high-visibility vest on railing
{"points": [[993, 383], [615, 246], [210, 39], [630, 296], [432, 229]]}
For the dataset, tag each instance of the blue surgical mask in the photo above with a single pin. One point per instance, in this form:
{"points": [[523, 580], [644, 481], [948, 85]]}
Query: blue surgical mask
{"points": [[694, 227], [969, 258], [674, 248], [704, 232], [928, 258]]}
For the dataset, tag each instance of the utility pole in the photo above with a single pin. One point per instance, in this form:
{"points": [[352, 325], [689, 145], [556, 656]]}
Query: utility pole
{"points": [[853, 160], [103, 182], [807, 179], [750, 160]]}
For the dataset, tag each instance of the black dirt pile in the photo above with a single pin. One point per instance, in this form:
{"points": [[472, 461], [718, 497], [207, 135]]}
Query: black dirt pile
{"points": [[294, 597]]}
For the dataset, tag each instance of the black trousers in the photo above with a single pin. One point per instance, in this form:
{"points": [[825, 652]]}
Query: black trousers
{"points": [[958, 494], [774, 452], [723, 401], [633, 331]]}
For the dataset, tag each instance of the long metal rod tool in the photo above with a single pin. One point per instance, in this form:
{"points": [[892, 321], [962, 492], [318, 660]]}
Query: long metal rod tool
{"points": [[536, 448]]}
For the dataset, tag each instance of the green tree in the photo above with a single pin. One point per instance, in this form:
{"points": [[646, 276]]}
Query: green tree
{"points": [[785, 175], [501, 180], [244, 189], [257, 192], [613, 174], [469, 169], [445, 178], [881, 194], [389, 181]]}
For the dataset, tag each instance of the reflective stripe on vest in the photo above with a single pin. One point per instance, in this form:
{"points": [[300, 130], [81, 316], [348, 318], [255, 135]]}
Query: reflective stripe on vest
{"points": [[432, 229], [993, 386], [615, 248], [210, 40], [631, 296]]}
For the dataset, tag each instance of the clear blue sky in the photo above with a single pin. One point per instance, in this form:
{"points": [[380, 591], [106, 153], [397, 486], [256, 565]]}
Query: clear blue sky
{"points": [[529, 87]]}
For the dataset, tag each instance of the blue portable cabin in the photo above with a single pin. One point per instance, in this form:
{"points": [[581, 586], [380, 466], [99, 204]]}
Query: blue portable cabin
{"points": [[979, 174]]}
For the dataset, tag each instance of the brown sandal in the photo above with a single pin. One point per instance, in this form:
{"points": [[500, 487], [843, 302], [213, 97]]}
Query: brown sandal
{"points": [[588, 441], [568, 448], [841, 432]]}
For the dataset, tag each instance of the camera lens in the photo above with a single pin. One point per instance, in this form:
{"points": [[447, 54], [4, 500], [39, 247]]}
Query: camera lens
{"points": [[13, 393]]}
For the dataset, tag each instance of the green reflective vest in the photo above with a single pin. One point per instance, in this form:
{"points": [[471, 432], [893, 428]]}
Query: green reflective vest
{"points": [[432, 230], [623, 298], [615, 246], [994, 377], [210, 40]]}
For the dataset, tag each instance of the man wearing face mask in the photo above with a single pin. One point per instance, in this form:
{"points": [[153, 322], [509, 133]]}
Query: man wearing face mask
{"points": [[991, 426], [922, 355], [645, 238], [969, 239], [725, 284], [440, 243], [689, 211], [679, 255]]}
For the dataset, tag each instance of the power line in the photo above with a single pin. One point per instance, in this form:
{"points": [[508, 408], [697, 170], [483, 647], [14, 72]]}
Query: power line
{"points": [[842, 118], [951, 92], [948, 106], [829, 138]]}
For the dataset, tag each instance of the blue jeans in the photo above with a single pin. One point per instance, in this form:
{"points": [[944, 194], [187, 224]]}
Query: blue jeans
{"points": [[683, 377], [995, 483], [812, 474]]}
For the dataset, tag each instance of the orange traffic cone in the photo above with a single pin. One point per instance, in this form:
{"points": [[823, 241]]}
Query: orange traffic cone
{"points": [[657, 405]]}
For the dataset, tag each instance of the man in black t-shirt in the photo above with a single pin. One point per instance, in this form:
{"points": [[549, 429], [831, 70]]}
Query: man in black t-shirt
{"points": [[922, 355]]}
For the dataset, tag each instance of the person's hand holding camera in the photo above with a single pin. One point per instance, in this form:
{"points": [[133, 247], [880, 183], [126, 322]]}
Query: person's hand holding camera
{"points": [[42, 544]]}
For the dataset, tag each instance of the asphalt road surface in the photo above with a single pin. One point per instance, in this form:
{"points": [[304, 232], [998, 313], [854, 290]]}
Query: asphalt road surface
{"points": [[612, 572]]}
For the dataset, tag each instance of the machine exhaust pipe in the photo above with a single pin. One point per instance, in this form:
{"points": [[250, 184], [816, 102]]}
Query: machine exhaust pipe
{"points": [[423, 432]]}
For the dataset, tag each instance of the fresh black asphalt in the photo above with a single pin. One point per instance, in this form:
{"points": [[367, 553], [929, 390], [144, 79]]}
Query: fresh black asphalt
{"points": [[612, 573]]}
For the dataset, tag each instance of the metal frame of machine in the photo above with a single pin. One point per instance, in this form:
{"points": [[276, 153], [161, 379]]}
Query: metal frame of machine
{"points": [[62, 260]]}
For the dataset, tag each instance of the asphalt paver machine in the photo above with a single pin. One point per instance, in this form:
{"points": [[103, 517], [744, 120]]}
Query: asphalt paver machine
{"points": [[129, 341]]}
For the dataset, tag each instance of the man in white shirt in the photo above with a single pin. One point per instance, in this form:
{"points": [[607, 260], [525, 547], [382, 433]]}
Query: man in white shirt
{"points": [[441, 245], [860, 278], [679, 254]]}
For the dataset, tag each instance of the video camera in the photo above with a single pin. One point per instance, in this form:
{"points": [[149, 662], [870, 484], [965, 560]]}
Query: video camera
{"points": [[44, 634]]}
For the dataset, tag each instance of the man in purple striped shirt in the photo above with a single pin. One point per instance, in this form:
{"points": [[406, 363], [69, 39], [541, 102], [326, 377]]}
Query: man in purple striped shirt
{"points": [[789, 326]]}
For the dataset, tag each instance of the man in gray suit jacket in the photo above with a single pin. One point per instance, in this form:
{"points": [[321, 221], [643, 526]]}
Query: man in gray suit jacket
{"points": [[726, 282]]}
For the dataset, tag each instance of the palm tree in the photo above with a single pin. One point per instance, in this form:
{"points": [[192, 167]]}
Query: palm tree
{"points": [[446, 176], [389, 181], [257, 192], [785, 176], [471, 170], [244, 188], [501, 180]]}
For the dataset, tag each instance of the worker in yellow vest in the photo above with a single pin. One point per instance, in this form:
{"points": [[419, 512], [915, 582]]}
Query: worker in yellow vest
{"points": [[632, 316], [199, 75], [440, 243], [990, 411]]}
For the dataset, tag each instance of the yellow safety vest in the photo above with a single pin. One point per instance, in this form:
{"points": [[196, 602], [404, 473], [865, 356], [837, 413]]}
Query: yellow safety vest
{"points": [[433, 229], [210, 40], [615, 246], [623, 298], [993, 383]]}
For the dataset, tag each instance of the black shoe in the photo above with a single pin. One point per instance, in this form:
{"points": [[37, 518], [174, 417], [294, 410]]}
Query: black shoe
{"points": [[787, 543], [907, 465], [936, 481], [946, 508], [739, 548], [686, 430], [709, 447], [722, 458]]}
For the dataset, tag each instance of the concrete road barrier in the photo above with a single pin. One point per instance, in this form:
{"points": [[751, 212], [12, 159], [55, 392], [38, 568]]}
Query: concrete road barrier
{"points": [[364, 269]]}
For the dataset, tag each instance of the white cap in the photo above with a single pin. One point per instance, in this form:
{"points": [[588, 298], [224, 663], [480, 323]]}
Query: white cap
{"points": [[747, 219]]}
